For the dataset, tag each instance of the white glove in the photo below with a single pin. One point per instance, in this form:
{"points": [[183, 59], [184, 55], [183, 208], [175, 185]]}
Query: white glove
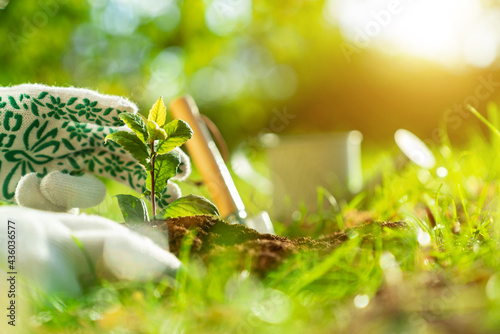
{"points": [[45, 129], [60, 192], [47, 254]]}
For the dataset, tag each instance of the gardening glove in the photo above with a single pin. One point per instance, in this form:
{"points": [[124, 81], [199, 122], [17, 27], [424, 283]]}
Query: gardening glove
{"points": [[46, 129], [62, 253]]}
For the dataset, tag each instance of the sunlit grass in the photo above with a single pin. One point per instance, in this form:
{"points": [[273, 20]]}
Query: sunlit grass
{"points": [[438, 275]]}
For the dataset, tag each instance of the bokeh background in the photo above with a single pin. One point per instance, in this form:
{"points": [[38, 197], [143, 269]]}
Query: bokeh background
{"points": [[373, 66]]}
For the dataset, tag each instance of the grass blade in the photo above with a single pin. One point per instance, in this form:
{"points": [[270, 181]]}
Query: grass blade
{"points": [[484, 120]]}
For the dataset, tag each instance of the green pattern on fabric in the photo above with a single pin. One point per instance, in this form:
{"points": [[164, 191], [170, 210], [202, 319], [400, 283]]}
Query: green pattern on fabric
{"points": [[43, 131]]}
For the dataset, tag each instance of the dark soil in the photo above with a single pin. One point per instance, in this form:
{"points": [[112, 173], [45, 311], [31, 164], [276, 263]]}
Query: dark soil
{"points": [[213, 238]]}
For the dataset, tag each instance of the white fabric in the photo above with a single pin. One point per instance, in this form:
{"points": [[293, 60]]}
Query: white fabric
{"points": [[184, 167], [173, 191], [65, 93], [72, 191], [48, 257], [59, 192], [28, 194]]}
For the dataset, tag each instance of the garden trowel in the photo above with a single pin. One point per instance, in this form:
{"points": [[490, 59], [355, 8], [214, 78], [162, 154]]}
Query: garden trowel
{"points": [[214, 171]]}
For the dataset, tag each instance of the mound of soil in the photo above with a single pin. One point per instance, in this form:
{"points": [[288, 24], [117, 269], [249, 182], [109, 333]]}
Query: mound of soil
{"points": [[213, 238]]}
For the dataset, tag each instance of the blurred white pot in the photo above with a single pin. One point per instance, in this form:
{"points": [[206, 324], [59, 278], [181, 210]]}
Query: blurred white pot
{"points": [[302, 163]]}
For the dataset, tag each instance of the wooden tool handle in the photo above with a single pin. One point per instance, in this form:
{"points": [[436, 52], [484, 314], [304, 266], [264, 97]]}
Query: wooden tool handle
{"points": [[207, 158]]}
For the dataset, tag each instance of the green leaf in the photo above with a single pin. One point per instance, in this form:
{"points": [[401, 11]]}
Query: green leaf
{"points": [[133, 209], [178, 132], [155, 132], [165, 168], [131, 143], [136, 124], [190, 205], [158, 113]]}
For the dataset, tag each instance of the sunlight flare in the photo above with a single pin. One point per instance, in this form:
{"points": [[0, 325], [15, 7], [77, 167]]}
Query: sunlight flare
{"points": [[447, 31]]}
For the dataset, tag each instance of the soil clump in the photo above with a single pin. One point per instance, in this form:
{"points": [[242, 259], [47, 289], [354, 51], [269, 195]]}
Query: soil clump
{"points": [[212, 238]]}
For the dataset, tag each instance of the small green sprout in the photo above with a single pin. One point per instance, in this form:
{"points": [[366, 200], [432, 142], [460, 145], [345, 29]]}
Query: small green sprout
{"points": [[152, 142]]}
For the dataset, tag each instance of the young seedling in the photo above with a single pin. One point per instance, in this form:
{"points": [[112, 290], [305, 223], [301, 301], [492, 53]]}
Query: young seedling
{"points": [[151, 142]]}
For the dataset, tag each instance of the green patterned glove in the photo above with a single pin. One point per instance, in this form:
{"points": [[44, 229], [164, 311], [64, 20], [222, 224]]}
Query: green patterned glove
{"points": [[57, 133]]}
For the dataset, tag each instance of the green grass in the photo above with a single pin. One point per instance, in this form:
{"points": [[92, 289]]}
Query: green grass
{"points": [[440, 275]]}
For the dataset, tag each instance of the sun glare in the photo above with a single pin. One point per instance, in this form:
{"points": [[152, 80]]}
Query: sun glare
{"points": [[447, 31]]}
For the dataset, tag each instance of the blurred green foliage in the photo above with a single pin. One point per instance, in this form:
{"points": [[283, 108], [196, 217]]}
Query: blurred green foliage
{"points": [[244, 61], [237, 58]]}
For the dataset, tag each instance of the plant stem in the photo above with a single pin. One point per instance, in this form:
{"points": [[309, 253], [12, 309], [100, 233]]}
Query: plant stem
{"points": [[153, 197]]}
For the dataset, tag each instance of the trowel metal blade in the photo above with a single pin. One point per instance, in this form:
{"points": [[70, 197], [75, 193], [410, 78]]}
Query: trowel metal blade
{"points": [[261, 223]]}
